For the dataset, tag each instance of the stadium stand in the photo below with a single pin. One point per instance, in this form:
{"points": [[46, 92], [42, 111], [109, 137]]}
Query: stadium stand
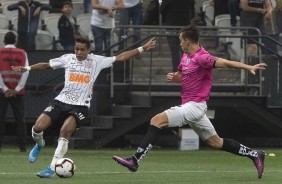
{"points": [[83, 20], [9, 14], [232, 45], [44, 41], [14, 23], [209, 13], [4, 22], [77, 8]]}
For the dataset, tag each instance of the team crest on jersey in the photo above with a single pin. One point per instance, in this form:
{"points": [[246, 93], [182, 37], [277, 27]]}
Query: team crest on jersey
{"points": [[88, 64], [187, 61]]}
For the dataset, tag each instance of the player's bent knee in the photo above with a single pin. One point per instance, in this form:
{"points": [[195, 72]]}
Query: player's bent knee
{"points": [[216, 146], [214, 143], [155, 123], [42, 123], [159, 121], [38, 127], [66, 133]]}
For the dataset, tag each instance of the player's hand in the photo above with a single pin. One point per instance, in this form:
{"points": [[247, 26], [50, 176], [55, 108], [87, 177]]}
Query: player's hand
{"points": [[150, 44], [7, 93], [260, 66], [267, 16], [19, 68], [37, 12], [10, 93], [110, 12], [22, 10], [174, 77], [263, 11], [211, 2], [169, 76]]}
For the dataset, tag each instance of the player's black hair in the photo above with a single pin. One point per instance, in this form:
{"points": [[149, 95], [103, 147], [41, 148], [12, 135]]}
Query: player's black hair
{"points": [[67, 2], [83, 40], [10, 38], [191, 33]]}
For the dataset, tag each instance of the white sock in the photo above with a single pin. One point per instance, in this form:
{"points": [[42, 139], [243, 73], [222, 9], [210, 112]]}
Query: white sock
{"points": [[38, 138], [60, 152]]}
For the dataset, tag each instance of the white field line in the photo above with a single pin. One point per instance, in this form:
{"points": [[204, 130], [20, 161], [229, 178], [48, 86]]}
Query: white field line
{"points": [[146, 172]]}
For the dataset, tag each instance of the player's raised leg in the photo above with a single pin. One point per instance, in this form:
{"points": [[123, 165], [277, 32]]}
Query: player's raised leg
{"points": [[204, 128], [65, 134], [232, 146], [41, 124], [157, 122], [257, 156], [145, 146]]}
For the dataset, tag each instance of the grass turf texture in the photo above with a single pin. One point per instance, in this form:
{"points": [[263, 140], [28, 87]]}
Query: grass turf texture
{"points": [[160, 166]]}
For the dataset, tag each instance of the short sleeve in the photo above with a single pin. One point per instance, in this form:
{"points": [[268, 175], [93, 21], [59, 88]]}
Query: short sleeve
{"points": [[104, 62], [60, 62], [206, 60]]}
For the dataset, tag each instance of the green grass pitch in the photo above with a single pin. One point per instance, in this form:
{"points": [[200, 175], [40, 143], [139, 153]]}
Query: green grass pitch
{"points": [[160, 166]]}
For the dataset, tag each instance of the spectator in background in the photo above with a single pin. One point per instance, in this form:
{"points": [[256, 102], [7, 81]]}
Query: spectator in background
{"points": [[132, 11], [56, 5], [220, 7], [67, 27], [103, 21], [152, 13], [12, 87], [278, 16], [176, 14], [87, 6], [28, 20], [254, 13], [234, 11], [231, 7]]}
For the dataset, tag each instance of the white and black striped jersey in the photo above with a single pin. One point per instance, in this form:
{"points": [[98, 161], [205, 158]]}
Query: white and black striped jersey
{"points": [[80, 76]]}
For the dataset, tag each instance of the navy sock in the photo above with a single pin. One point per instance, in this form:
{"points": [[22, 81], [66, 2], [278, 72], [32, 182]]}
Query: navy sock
{"points": [[147, 143], [236, 148]]}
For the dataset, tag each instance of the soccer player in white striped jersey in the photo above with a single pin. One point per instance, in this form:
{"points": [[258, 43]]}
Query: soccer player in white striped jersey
{"points": [[73, 102]]}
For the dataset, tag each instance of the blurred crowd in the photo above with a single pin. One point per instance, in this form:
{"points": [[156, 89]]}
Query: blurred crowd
{"points": [[97, 18]]}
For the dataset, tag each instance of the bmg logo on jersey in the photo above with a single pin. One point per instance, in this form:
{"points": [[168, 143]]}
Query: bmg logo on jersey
{"points": [[79, 78]]}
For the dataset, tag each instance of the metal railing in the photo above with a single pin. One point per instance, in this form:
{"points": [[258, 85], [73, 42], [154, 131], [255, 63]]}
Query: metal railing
{"points": [[161, 32], [206, 32]]}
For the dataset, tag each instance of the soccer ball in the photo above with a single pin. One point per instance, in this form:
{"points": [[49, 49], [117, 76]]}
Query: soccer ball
{"points": [[65, 168]]}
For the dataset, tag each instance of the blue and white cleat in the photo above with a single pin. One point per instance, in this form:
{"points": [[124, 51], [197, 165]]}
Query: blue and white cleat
{"points": [[33, 155], [46, 173]]}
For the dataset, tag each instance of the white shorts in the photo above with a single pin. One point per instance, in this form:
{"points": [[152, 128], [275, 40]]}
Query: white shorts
{"points": [[194, 114]]}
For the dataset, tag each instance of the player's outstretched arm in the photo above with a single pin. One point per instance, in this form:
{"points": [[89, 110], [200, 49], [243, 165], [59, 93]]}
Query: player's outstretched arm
{"points": [[38, 66], [224, 63], [131, 53]]}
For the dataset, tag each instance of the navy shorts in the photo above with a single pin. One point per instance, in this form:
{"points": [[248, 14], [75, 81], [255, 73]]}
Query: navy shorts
{"points": [[59, 111]]}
